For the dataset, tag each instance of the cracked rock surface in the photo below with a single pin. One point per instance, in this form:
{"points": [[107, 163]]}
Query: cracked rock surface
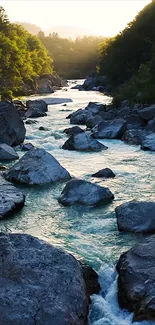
{"points": [[40, 284]]}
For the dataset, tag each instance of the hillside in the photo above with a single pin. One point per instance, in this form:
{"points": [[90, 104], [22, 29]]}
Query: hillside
{"points": [[129, 59], [31, 28], [23, 58]]}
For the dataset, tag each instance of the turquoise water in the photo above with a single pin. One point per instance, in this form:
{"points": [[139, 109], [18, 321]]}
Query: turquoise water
{"points": [[88, 233]]}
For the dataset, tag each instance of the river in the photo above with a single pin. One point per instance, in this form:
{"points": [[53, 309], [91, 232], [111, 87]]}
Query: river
{"points": [[88, 233]]}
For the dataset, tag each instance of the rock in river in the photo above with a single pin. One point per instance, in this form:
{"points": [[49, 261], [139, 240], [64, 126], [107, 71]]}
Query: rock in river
{"points": [[37, 104], [106, 172], [12, 129], [80, 116], [148, 142], [27, 146], [136, 216], [11, 200], [83, 142], [7, 153], [37, 167], [78, 191], [40, 284], [73, 130], [110, 129], [136, 280]]}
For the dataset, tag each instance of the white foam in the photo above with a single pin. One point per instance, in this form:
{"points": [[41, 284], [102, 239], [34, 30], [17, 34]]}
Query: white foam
{"points": [[105, 309]]}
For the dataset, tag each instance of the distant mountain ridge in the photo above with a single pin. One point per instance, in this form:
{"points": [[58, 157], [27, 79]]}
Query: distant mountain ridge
{"points": [[31, 28], [62, 31]]}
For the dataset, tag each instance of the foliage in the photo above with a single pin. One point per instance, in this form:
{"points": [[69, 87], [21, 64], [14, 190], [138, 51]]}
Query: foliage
{"points": [[73, 59], [22, 57], [129, 59]]}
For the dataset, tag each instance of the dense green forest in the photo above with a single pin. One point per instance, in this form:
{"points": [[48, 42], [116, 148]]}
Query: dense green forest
{"points": [[22, 57], [128, 59], [73, 59]]}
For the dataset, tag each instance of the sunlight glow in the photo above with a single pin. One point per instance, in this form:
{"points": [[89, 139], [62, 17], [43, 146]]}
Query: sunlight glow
{"points": [[99, 17]]}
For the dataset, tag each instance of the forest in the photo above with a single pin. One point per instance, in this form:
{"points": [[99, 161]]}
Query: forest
{"points": [[73, 59], [22, 57], [128, 59]]}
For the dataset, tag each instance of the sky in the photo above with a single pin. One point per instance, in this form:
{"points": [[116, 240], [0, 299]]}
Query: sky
{"points": [[101, 17]]}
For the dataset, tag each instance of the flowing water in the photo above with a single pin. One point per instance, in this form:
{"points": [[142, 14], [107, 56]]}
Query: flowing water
{"points": [[89, 233]]}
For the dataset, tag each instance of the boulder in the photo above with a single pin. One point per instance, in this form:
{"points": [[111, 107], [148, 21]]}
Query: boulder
{"points": [[83, 142], [7, 153], [95, 81], [93, 121], [136, 280], [27, 146], [106, 173], [11, 200], [95, 108], [12, 129], [30, 122], [133, 121], [37, 104], [123, 112], [151, 125], [73, 130], [136, 216], [109, 129], [134, 136], [78, 191], [42, 128], [108, 115], [91, 279], [35, 112], [37, 167], [125, 103], [148, 143], [20, 107], [80, 117], [40, 284], [147, 113]]}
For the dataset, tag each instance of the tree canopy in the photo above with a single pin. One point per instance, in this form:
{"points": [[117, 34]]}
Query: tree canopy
{"points": [[73, 59], [22, 57], [128, 60]]}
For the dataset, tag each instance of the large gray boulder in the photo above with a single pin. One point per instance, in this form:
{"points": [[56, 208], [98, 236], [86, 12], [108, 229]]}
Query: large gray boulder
{"points": [[36, 108], [109, 129], [93, 121], [37, 167], [12, 129], [147, 113], [134, 136], [80, 117], [7, 153], [136, 216], [37, 104], [35, 112], [136, 280], [95, 81], [40, 284], [151, 125], [11, 200], [148, 142], [83, 142], [95, 108], [78, 191]]}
